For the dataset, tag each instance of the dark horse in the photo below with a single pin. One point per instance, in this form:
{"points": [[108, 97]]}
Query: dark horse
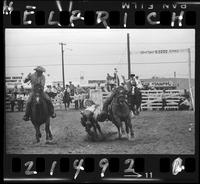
{"points": [[119, 112], [40, 113], [134, 98]]}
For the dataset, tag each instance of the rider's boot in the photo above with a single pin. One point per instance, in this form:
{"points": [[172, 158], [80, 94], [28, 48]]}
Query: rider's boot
{"points": [[53, 115]]}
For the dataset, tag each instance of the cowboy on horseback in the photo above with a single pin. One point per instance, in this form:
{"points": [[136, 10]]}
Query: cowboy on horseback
{"points": [[104, 113], [134, 95], [130, 84], [35, 79]]}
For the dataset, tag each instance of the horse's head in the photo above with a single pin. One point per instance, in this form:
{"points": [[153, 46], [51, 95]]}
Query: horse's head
{"points": [[37, 99], [38, 88], [121, 95]]}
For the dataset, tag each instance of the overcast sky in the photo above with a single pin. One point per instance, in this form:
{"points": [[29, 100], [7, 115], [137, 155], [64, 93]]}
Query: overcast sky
{"points": [[95, 52]]}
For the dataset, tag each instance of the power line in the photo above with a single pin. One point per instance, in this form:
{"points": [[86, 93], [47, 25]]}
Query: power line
{"points": [[96, 64], [85, 43]]}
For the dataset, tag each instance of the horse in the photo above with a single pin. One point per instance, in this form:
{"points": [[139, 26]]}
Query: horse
{"points": [[40, 114], [119, 112], [134, 97], [135, 101], [66, 99], [89, 121]]}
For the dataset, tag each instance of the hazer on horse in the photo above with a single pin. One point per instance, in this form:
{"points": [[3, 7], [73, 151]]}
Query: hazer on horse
{"points": [[37, 78], [134, 94], [40, 113], [39, 107], [118, 111], [134, 97]]}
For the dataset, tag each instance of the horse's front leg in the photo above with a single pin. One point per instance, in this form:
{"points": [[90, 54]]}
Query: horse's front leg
{"points": [[38, 133], [118, 124], [47, 130], [129, 125], [122, 129]]}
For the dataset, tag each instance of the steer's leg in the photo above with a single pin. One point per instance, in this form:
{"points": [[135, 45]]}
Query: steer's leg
{"points": [[99, 128]]}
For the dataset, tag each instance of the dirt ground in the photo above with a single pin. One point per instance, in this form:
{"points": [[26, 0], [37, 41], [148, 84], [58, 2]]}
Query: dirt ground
{"points": [[156, 132]]}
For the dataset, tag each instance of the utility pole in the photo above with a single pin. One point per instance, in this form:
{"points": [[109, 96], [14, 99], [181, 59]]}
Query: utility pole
{"points": [[128, 55], [63, 70], [189, 78]]}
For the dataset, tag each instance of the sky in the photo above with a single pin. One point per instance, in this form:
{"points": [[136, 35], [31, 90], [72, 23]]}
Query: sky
{"points": [[93, 53]]}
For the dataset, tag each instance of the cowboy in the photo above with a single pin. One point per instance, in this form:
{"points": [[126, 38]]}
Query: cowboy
{"points": [[37, 78], [116, 77], [138, 82], [104, 113], [131, 85]]}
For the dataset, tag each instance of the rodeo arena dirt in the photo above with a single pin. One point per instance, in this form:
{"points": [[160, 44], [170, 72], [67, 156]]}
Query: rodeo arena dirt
{"points": [[162, 121]]}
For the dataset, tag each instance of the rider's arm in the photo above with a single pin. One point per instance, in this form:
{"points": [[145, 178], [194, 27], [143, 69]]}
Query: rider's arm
{"points": [[28, 78]]}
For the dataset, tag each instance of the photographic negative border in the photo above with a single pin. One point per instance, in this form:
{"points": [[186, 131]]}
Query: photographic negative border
{"points": [[159, 165]]}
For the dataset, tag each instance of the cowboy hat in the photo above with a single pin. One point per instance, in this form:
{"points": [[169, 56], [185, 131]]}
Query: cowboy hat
{"points": [[40, 68], [132, 75]]}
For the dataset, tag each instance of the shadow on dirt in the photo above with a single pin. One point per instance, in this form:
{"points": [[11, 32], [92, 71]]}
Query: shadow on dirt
{"points": [[107, 137]]}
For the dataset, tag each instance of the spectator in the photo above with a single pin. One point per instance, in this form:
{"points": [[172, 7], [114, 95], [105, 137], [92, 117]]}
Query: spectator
{"points": [[76, 100], [116, 77], [79, 90], [59, 89], [163, 98], [54, 92], [20, 102], [108, 81], [48, 91], [138, 82], [22, 90], [66, 98], [72, 88], [15, 91], [12, 101], [98, 87]]}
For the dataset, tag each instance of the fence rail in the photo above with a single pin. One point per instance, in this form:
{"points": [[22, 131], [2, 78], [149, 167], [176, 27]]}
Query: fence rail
{"points": [[151, 99]]}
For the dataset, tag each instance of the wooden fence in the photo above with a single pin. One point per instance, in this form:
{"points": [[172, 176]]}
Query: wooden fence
{"points": [[151, 99]]}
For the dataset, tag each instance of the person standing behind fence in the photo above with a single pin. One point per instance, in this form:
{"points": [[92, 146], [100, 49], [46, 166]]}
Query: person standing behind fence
{"points": [[72, 88], [20, 102], [59, 89], [12, 101], [48, 91], [54, 91], [66, 97], [15, 91], [22, 90], [108, 82], [116, 77], [163, 98], [138, 82]]}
